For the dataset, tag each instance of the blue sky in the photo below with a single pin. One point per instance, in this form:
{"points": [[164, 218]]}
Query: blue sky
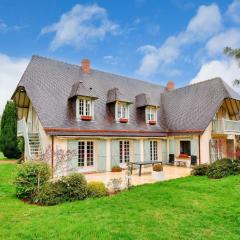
{"points": [[154, 40]]}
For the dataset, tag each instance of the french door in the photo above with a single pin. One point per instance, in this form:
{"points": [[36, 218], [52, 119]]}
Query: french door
{"points": [[154, 151], [85, 153]]}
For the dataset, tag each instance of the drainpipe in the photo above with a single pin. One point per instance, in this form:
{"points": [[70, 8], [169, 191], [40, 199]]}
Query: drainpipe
{"points": [[199, 148], [52, 154]]}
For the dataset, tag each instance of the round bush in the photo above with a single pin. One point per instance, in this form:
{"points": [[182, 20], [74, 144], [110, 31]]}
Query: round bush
{"points": [[30, 177], [221, 168], [200, 170], [75, 187], [96, 189]]}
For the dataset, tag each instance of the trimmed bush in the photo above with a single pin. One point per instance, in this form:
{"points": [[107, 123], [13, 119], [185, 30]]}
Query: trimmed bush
{"points": [[200, 170], [96, 189], [236, 166], [75, 187], [69, 188], [221, 168], [30, 177], [50, 194]]}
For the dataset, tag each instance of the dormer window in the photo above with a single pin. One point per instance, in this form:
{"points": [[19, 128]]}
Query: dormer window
{"points": [[85, 108], [122, 110], [151, 115], [84, 101]]}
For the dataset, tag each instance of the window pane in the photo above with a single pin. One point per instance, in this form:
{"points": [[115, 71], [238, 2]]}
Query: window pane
{"points": [[121, 151], [185, 147], [124, 154], [81, 107], [89, 153], [153, 150], [81, 151], [88, 108]]}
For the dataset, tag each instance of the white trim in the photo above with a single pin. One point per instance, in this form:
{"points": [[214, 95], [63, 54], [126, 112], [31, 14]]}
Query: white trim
{"points": [[150, 109], [117, 105], [78, 116]]}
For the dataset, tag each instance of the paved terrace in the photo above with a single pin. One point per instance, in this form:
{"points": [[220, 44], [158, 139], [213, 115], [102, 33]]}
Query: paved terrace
{"points": [[171, 172]]}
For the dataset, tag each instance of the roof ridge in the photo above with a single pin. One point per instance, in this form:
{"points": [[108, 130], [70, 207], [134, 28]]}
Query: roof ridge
{"points": [[197, 83]]}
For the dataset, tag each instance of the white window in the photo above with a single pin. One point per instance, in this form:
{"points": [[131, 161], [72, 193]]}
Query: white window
{"points": [[85, 153], [122, 110], [153, 150], [124, 148], [85, 107], [151, 114]]}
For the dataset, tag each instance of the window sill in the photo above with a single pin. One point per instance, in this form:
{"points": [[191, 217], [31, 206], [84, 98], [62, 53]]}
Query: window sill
{"points": [[86, 118]]}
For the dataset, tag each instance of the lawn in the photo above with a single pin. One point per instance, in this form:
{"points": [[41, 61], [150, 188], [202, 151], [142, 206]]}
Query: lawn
{"points": [[187, 208]]}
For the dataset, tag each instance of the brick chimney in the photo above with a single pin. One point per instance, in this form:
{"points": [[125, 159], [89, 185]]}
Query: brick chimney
{"points": [[170, 86], [86, 66]]}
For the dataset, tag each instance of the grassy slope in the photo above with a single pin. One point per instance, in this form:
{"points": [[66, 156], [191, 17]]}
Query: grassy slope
{"points": [[189, 208]]}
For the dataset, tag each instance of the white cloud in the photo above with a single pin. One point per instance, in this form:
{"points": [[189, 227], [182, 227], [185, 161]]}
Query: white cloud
{"points": [[228, 70], [203, 25], [234, 11], [110, 59], [10, 73], [230, 38], [80, 26]]}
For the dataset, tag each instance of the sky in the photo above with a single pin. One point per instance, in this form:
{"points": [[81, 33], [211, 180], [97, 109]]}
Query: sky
{"points": [[153, 40]]}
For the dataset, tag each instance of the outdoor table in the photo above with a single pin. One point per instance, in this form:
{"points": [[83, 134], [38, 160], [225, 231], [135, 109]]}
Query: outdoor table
{"points": [[143, 163]]}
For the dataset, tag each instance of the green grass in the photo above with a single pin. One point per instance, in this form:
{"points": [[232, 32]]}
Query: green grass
{"points": [[187, 208]]}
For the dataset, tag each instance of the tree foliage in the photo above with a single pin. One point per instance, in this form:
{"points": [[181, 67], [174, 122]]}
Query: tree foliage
{"points": [[8, 134], [235, 53]]}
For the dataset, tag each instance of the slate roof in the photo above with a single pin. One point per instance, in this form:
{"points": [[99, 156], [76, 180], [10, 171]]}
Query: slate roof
{"points": [[78, 89], [50, 83], [143, 100], [115, 94]]}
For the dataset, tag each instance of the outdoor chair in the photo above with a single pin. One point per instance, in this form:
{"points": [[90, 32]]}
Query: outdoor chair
{"points": [[171, 159], [193, 160]]}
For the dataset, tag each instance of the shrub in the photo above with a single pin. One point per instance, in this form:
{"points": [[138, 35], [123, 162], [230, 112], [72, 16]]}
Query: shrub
{"points": [[236, 166], [69, 188], [158, 168], [50, 194], [75, 187], [8, 137], [30, 177], [221, 168], [200, 170], [96, 189]]}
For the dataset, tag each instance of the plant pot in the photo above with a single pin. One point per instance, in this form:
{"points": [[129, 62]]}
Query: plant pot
{"points": [[158, 176], [116, 169], [152, 122], [123, 120], [86, 118]]}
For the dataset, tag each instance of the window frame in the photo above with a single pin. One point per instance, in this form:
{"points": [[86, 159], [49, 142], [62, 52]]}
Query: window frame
{"points": [[87, 103], [88, 148], [151, 111], [120, 106], [124, 154]]}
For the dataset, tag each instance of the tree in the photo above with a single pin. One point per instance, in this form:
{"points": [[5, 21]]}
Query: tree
{"points": [[235, 53], [8, 135]]}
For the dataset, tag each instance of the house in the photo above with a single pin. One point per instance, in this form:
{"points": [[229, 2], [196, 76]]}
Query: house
{"points": [[109, 119]]}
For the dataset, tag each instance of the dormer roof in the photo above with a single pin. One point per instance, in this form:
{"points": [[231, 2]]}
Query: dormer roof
{"points": [[115, 95], [144, 100], [78, 89]]}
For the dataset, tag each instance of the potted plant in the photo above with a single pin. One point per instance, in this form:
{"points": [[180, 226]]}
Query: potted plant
{"points": [[86, 118], [152, 122], [123, 120], [116, 168], [157, 172]]}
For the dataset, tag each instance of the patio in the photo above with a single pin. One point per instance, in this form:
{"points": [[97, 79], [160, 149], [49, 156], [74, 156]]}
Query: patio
{"points": [[171, 172]]}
